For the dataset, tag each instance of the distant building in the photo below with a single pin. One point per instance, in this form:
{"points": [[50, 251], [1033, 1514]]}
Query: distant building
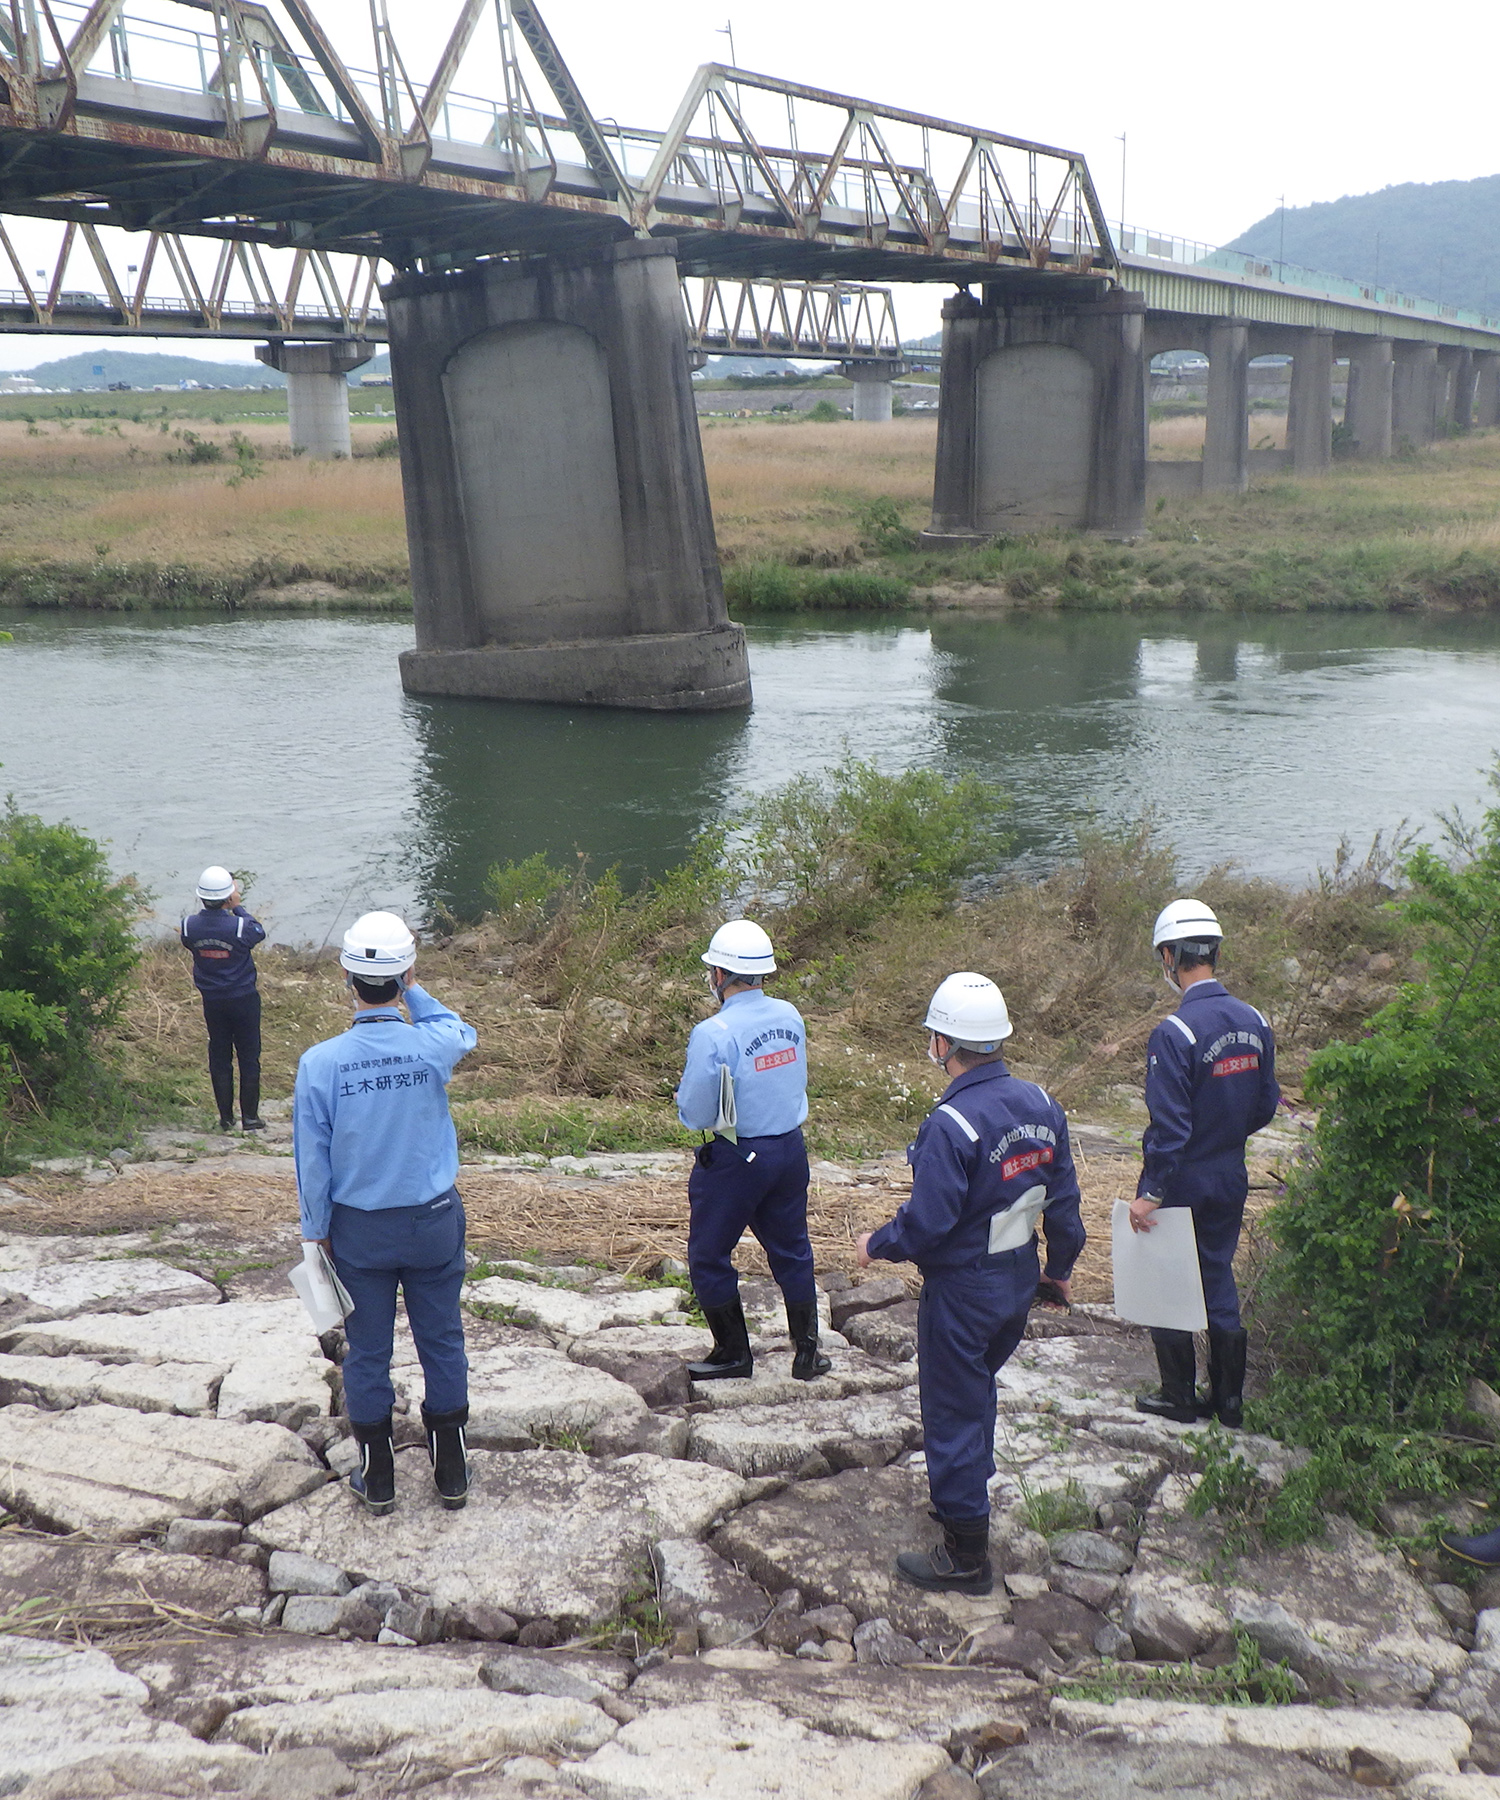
{"points": [[19, 384]]}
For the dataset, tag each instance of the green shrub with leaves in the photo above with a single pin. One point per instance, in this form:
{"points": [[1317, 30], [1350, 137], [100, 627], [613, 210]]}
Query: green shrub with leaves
{"points": [[66, 955], [1382, 1294]]}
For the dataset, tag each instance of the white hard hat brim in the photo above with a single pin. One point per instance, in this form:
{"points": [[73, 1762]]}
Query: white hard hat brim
{"points": [[739, 965]]}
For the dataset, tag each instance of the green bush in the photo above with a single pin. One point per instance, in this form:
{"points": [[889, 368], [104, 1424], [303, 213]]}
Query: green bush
{"points": [[778, 587], [1383, 1287], [66, 957]]}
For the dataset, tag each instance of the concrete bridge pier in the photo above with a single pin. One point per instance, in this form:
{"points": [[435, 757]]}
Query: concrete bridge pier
{"points": [[1458, 385], [1486, 389], [874, 392], [317, 390], [562, 546], [1367, 408], [1309, 419], [1414, 394], [1042, 418], [1226, 434]]}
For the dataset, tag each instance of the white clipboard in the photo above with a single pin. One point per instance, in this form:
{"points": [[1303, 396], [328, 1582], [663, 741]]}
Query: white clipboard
{"points": [[725, 1125], [1157, 1278], [326, 1299]]}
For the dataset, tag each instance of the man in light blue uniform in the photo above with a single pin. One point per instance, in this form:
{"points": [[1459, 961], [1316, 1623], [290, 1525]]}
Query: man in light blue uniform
{"points": [[752, 1174], [377, 1157], [989, 1163]]}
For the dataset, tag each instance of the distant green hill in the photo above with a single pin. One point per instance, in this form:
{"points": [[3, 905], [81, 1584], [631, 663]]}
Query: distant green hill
{"points": [[1440, 239], [146, 369]]}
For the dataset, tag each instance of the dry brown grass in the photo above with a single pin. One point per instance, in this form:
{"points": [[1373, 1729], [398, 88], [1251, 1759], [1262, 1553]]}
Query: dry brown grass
{"points": [[794, 491], [100, 491]]}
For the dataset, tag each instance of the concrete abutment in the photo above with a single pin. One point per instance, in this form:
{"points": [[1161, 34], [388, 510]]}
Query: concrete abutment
{"points": [[561, 539], [1042, 418]]}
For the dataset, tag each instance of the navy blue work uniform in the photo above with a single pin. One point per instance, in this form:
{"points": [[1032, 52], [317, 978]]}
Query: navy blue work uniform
{"points": [[1210, 1082], [377, 1157], [760, 1183], [222, 940], [988, 1163]]}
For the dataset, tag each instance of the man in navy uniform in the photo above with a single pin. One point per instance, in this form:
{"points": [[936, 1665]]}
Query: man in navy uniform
{"points": [[1210, 1082], [377, 1157], [222, 938], [752, 1174], [989, 1163]]}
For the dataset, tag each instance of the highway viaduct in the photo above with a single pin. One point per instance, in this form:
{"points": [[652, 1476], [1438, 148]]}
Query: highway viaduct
{"points": [[561, 540]]}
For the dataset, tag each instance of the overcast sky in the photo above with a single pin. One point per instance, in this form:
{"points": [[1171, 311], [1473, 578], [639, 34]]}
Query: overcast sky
{"points": [[1225, 109]]}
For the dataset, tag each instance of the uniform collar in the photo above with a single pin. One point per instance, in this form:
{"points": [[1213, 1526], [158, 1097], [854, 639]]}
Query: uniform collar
{"points": [[1204, 990], [384, 1015], [744, 994], [995, 1071]]}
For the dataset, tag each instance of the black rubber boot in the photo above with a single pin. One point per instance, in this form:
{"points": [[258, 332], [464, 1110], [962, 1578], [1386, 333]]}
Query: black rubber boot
{"points": [[730, 1358], [802, 1322], [1177, 1398], [375, 1478], [252, 1124], [959, 1565], [1226, 1378], [447, 1450], [1482, 1552]]}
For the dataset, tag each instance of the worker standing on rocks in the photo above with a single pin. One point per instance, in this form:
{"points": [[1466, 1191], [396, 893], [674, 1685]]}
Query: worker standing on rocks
{"points": [[746, 1081], [377, 1158], [990, 1162], [222, 937], [1210, 1083]]}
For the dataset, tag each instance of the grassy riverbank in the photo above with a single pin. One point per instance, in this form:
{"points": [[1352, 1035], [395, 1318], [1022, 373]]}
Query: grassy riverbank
{"points": [[195, 502]]}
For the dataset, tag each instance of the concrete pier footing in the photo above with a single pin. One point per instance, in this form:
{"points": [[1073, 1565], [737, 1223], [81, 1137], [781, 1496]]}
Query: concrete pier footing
{"points": [[1042, 419], [562, 545], [317, 391]]}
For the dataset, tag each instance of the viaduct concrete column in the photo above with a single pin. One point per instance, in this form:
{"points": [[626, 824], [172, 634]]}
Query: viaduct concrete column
{"points": [[317, 390], [562, 545], [1226, 438], [874, 396], [1461, 391], [1414, 394], [1367, 411], [1309, 419], [1486, 389], [1042, 418]]}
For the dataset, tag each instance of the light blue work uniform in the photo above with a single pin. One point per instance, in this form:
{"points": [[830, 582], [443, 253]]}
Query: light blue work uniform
{"points": [[758, 1184], [377, 1158]]}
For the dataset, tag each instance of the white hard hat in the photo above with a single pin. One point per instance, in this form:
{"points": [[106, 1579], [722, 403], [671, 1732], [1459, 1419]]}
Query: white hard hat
{"points": [[378, 947], [215, 884], [1185, 921], [970, 1010], [742, 948]]}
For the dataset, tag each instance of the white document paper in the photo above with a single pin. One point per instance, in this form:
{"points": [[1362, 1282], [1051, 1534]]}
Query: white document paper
{"points": [[727, 1121], [326, 1300], [1157, 1278], [1016, 1226]]}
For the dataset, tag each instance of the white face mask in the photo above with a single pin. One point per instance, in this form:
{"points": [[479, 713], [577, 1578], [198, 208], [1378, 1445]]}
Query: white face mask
{"points": [[933, 1057]]}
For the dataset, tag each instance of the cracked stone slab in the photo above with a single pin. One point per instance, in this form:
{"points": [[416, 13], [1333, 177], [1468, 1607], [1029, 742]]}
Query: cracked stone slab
{"points": [[700, 1589], [80, 1574], [58, 1382], [928, 1704], [546, 1534], [437, 1727], [771, 1385], [836, 1540], [1342, 1609], [864, 1431], [1116, 1771], [117, 1474], [273, 1368], [564, 1313], [195, 1771], [749, 1752], [60, 1706], [59, 1277], [521, 1392], [1402, 1743]]}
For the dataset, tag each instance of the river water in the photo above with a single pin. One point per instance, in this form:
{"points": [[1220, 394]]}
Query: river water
{"points": [[285, 746]]}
